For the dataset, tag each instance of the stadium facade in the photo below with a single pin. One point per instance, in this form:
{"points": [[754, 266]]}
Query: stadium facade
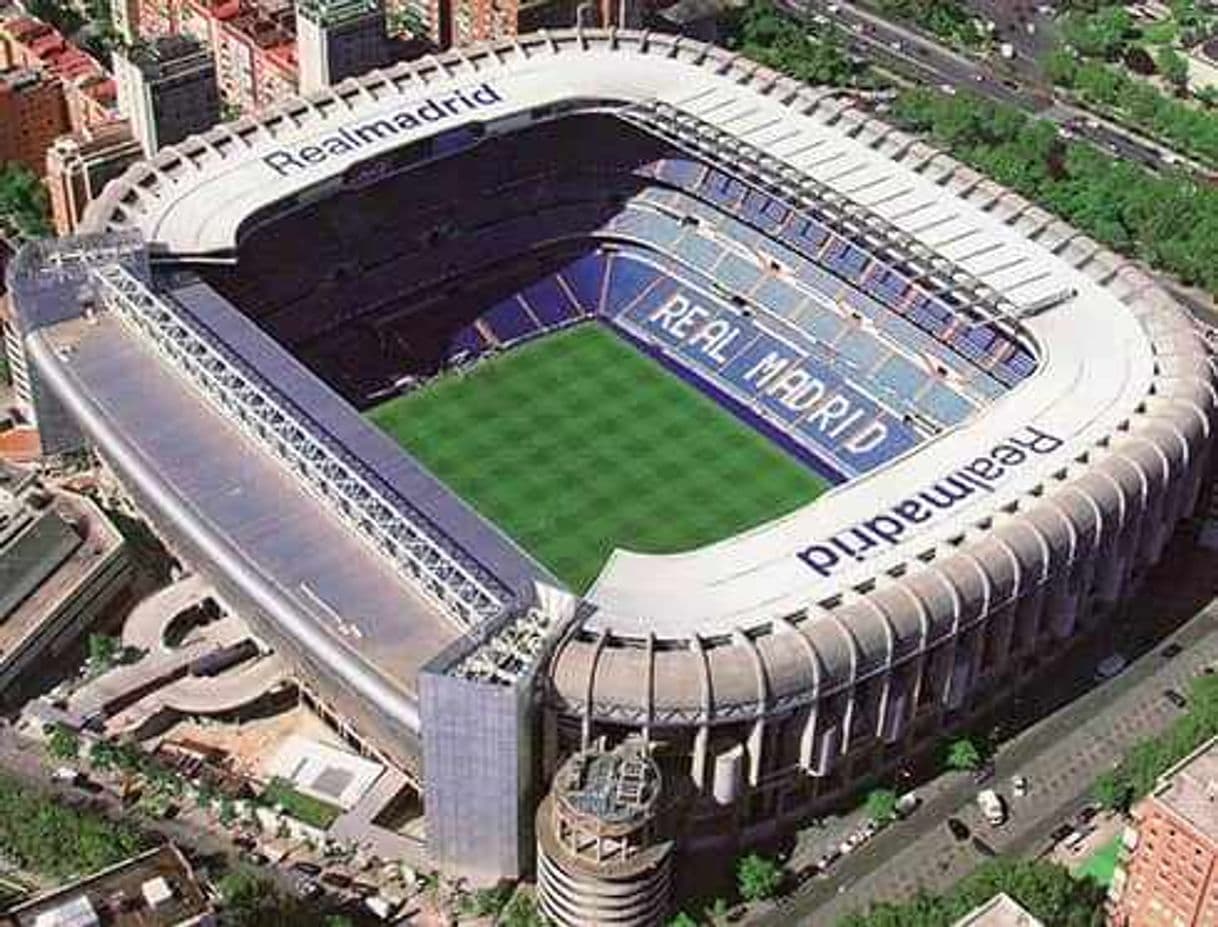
{"points": [[1015, 419]]}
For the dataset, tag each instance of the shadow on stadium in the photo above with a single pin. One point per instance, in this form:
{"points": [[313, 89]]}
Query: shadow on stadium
{"points": [[382, 280]]}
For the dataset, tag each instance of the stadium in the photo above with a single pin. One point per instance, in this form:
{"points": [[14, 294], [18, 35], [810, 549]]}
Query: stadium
{"points": [[604, 415]]}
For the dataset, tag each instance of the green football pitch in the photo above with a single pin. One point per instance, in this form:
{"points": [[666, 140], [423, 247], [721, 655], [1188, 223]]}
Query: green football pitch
{"points": [[577, 444]]}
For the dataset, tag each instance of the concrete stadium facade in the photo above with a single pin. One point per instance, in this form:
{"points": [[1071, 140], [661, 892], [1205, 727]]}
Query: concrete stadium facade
{"points": [[776, 670]]}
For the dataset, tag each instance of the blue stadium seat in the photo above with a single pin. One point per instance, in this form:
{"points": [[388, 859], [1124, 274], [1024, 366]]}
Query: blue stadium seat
{"points": [[550, 303], [861, 349], [509, 321], [944, 404], [900, 376], [465, 340], [585, 278], [628, 278]]}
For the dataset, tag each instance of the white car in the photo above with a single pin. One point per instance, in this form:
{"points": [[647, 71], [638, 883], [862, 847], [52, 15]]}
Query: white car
{"points": [[1019, 786]]}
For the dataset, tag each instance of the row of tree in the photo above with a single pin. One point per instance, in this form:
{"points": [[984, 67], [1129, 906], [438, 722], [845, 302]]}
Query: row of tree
{"points": [[1048, 891], [758, 878], [1148, 760], [813, 53], [950, 20], [1183, 125], [1170, 221]]}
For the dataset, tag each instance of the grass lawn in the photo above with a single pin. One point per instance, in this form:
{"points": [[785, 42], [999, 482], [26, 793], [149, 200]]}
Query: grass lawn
{"points": [[576, 444], [303, 807], [1100, 864]]}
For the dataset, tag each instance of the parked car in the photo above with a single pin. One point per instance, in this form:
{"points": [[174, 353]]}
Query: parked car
{"points": [[1019, 786], [307, 888], [336, 879], [1175, 698], [982, 847], [306, 868], [1110, 666], [907, 804], [993, 808], [1060, 833], [958, 829], [1171, 650]]}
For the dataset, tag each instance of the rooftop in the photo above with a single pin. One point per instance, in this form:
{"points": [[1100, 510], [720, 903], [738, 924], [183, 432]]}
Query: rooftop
{"points": [[155, 889], [1190, 790], [1000, 911]]}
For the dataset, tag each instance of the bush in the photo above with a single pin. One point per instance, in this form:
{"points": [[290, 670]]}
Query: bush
{"points": [[1048, 891], [882, 805], [757, 878], [963, 754], [54, 840], [63, 744], [306, 808]]}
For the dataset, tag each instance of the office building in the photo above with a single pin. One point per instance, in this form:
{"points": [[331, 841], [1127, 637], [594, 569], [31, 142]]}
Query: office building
{"points": [[1167, 877], [167, 90], [80, 164], [337, 39]]}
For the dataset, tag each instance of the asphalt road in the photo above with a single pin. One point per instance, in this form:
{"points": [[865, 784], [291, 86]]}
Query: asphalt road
{"points": [[1061, 755]]}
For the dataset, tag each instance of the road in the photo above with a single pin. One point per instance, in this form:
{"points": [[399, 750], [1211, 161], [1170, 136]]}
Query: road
{"points": [[1061, 756], [1014, 83]]}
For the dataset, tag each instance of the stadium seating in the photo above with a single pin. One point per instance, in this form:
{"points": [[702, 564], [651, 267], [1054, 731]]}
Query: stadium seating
{"points": [[625, 222]]}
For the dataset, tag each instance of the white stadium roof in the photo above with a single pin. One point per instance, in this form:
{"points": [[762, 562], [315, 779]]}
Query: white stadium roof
{"points": [[1097, 356]]}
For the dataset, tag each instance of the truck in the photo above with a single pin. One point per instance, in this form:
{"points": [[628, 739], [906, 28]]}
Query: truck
{"points": [[993, 808]]}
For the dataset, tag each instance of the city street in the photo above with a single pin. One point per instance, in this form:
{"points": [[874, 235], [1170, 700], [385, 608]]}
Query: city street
{"points": [[1014, 83], [1061, 756]]}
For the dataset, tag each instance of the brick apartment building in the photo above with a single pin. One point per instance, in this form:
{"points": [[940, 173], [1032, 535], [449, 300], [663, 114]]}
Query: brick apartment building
{"points": [[32, 115], [1168, 877], [88, 90]]}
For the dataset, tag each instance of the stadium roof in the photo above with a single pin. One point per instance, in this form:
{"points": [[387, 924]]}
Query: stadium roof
{"points": [[1096, 331]]}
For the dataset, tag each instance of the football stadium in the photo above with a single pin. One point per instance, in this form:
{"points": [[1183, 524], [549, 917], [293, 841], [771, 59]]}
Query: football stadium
{"points": [[641, 450]]}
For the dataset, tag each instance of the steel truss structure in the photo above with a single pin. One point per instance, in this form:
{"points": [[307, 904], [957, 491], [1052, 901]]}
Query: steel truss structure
{"points": [[402, 536]]}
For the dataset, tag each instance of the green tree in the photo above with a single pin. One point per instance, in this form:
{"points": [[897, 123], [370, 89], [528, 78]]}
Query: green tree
{"points": [[24, 205], [757, 877], [1113, 791], [1174, 67], [1047, 890], [682, 920], [521, 911], [103, 652], [63, 743], [963, 754], [882, 805]]}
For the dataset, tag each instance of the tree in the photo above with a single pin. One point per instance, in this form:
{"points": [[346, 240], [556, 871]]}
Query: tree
{"points": [[682, 920], [521, 911], [1174, 68], [1113, 791], [882, 805], [963, 754], [757, 877], [1048, 891], [63, 743], [103, 652], [24, 204]]}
